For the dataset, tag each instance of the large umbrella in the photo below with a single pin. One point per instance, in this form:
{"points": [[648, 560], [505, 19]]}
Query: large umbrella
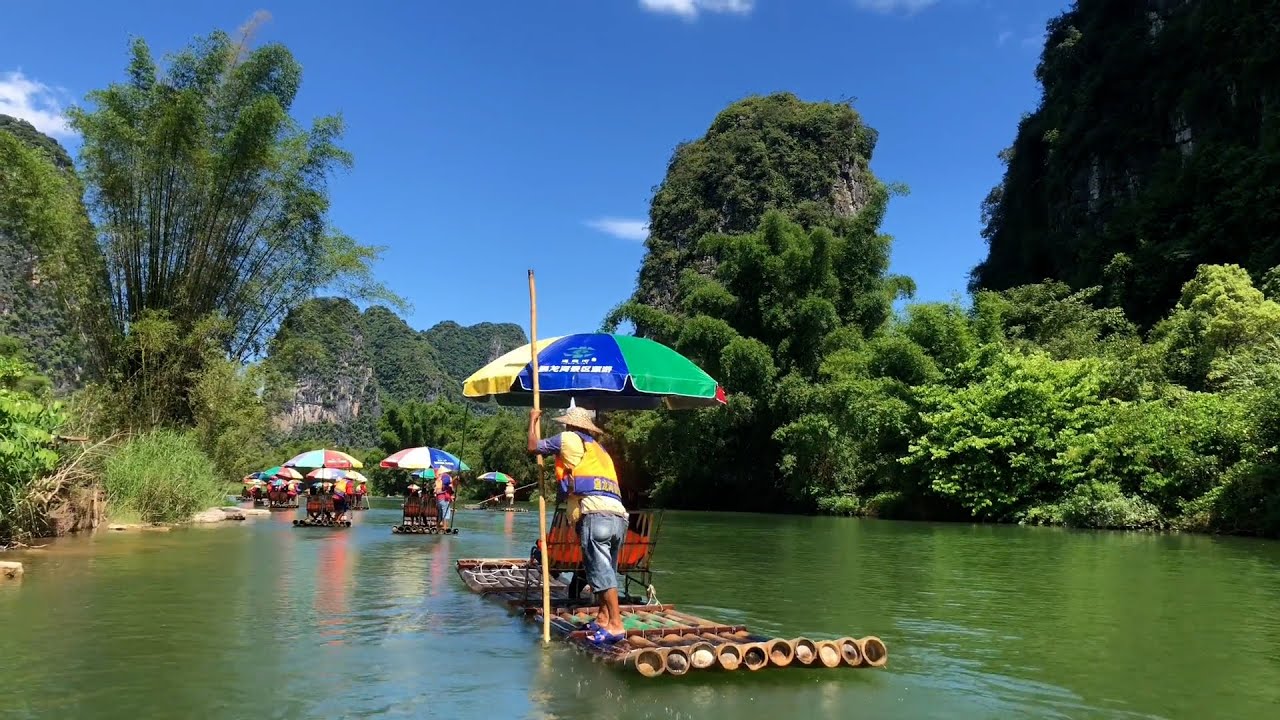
{"points": [[606, 371], [357, 477], [601, 371], [325, 459], [425, 474], [417, 458], [329, 474], [499, 477]]}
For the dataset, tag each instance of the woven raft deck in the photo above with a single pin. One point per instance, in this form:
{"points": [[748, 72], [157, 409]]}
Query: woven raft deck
{"points": [[660, 638]]}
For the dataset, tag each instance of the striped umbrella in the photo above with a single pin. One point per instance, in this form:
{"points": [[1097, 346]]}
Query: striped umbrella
{"points": [[425, 474], [498, 477], [357, 477], [325, 459], [284, 473], [418, 458], [329, 474]]}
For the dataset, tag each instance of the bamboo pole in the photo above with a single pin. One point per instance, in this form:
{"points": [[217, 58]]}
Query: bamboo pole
{"points": [[542, 491], [501, 494]]}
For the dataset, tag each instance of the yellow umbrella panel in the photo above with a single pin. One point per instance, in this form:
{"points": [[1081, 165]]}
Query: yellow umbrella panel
{"points": [[497, 377]]}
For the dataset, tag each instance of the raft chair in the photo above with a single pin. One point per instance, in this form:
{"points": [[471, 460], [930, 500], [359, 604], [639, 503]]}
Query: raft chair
{"points": [[430, 513], [314, 507], [412, 510], [564, 553], [326, 508]]}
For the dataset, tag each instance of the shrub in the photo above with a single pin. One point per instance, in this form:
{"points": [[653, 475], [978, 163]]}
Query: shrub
{"points": [[161, 476]]}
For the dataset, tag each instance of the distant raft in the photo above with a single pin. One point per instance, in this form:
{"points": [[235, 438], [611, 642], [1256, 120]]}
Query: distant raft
{"points": [[322, 523]]}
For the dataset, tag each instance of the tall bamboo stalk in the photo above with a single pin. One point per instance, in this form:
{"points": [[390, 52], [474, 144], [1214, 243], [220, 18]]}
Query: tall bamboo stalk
{"points": [[542, 491]]}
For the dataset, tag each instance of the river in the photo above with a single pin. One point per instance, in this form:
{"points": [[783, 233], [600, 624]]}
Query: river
{"points": [[269, 621]]}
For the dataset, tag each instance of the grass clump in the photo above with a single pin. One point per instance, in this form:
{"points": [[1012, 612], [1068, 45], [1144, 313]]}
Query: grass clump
{"points": [[162, 476]]}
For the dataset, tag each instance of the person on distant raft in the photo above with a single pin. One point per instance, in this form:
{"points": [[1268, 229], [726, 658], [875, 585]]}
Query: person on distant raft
{"points": [[340, 494], [510, 492], [587, 476], [444, 497]]}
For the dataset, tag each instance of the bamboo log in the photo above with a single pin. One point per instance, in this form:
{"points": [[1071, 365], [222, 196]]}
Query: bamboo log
{"points": [[874, 652], [542, 499], [702, 655], [781, 652], [806, 652], [754, 656], [728, 656], [828, 654], [850, 652], [675, 658], [648, 662]]}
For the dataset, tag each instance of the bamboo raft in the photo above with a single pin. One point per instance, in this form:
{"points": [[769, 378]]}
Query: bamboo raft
{"points": [[660, 639], [492, 508], [420, 516], [322, 523], [422, 530]]}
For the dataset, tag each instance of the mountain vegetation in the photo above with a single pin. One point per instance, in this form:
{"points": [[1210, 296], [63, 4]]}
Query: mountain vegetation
{"points": [[1043, 402], [1118, 365], [1155, 149]]}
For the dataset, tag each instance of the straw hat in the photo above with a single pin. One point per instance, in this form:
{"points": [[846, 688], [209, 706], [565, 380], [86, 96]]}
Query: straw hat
{"points": [[576, 417]]}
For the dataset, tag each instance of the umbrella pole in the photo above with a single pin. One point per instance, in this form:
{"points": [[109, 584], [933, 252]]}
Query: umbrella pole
{"points": [[542, 496]]}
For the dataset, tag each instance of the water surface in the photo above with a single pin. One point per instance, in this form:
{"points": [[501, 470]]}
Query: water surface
{"points": [[268, 621]]}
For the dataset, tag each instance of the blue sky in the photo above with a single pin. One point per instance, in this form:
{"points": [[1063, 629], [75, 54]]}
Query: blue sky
{"points": [[491, 137]]}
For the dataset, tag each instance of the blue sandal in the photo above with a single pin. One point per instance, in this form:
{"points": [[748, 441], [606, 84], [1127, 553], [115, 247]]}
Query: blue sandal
{"points": [[604, 637]]}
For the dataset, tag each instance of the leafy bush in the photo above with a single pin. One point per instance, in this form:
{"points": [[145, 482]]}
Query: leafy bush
{"points": [[27, 423], [162, 476], [1105, 505]]}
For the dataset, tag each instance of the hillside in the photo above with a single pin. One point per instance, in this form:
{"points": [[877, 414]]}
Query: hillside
{"points": [[775, 152], [339, 368], [1155, 149], [32, 311]]}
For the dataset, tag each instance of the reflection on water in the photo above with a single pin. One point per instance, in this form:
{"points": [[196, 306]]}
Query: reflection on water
{"points": [[267, 620]]}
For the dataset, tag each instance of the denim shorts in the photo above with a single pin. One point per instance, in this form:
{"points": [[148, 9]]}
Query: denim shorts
{"points": [[443, 507], [601, 535]]}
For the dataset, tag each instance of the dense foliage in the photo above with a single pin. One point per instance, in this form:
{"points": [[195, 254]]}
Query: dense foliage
{"points": [[162, 476], [485, 442], [1042, 403], [760, 154], [47, 243], [1155, 149], [27, 423], [463, 350], [211, 208]]}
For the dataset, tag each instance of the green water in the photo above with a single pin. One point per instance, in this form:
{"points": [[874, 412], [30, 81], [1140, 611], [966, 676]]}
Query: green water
{"points": [[267, 621]]}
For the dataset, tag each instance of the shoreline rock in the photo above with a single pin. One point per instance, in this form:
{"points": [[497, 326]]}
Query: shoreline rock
{"points": [[10, 570]]}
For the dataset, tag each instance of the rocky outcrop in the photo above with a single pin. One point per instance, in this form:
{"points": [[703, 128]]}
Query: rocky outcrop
{"points": [[32, 309], [1153, 151], [339, 368], [11, 570], [776, 152]]}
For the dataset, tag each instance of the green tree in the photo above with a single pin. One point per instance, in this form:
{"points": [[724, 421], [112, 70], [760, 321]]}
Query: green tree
{"points": [[211, 202]]}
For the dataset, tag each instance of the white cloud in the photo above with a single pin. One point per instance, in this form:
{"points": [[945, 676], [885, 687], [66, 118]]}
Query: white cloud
{"points": [[35, 102], [892, 7], [689, 9], [1003, 38], [625, 228]]}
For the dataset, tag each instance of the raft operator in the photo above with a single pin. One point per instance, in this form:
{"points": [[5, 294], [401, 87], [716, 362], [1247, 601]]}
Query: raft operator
{"points": [[587, 476]]}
